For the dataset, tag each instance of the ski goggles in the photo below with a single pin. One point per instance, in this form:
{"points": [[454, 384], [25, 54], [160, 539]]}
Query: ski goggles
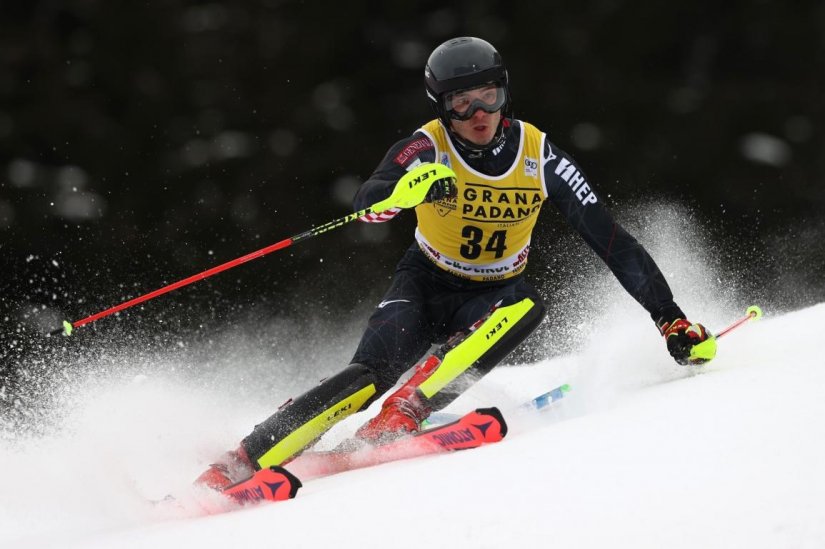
{"points": [[463, 104]]}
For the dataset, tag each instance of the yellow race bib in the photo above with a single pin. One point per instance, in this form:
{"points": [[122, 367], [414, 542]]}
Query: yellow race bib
{"points": [[484, 232]]}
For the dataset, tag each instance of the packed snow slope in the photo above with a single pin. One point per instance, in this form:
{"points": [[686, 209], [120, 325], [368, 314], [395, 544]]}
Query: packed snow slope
{"points": [[642, 453]]}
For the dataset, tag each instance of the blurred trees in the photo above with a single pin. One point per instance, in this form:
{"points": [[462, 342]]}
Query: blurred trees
{"points": [[143, 142]]}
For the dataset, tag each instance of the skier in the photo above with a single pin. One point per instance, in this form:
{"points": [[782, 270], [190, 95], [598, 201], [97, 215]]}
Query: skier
{"points": [[477, 178]]}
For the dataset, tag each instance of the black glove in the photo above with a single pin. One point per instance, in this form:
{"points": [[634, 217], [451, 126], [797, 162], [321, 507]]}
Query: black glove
{"points": [[688, 343], [441, 189]]}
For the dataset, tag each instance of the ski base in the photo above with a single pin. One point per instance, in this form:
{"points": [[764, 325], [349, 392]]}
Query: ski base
{"points": [[482, 426]]}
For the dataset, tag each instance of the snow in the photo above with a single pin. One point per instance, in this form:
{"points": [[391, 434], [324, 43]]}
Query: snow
{"points": [[641, 453]]}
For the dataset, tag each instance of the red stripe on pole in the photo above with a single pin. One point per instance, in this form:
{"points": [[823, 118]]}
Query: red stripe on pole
{"points": [[186, 281], [215, 270], [735, 325]]}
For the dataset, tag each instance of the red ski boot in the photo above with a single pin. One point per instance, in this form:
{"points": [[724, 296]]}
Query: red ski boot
{"points": [[234, 466], [403, 411]]}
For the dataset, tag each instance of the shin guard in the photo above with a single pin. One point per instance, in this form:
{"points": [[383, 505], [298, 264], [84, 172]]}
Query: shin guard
{"points": [[301, 422], [467, 357]]}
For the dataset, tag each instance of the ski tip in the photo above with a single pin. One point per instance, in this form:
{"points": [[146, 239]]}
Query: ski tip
{"points": [[273, 483], [565, 388], [496, 414], [294, 482]]}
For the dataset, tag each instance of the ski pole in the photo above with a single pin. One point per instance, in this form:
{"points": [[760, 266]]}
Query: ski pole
{"points": [[406, 195], [706, 350], [326, 227], [753, 313]]}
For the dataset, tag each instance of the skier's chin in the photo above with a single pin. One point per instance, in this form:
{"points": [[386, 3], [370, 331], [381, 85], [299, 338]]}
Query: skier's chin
{"points": [[482, 141], [479, 136], [480, 131]]}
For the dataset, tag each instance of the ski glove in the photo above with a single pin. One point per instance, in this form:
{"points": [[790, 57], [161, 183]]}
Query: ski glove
{"points": [[441, 189], [417, 185], [688, 343]]}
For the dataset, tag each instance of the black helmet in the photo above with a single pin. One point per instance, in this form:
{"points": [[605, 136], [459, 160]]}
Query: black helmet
{"points": [[463, 63]]}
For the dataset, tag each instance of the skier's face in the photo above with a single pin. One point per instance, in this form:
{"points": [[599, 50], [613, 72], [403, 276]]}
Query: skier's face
{"points": [[479, 129], [470, 112]]}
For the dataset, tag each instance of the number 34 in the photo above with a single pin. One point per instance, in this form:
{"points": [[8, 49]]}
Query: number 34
{"points": [[474, 236]]}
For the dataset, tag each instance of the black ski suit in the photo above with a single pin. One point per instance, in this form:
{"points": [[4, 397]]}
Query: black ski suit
{"points": [[427, 303]]}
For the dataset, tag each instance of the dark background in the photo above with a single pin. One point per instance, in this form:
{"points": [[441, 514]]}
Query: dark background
{"points": [[142, 142]]}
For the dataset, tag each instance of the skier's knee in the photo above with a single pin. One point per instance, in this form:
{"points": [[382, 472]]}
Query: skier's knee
{"points": [[469, 357]]}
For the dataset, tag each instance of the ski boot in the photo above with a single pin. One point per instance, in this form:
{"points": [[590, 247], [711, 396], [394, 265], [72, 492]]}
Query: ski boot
{"points": [[403, 411], [232, 467]]}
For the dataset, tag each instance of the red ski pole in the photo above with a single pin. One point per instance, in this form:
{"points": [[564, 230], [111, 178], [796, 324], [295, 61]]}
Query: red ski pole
{"points": [[69, 326], [406, 195], [753, 313]]}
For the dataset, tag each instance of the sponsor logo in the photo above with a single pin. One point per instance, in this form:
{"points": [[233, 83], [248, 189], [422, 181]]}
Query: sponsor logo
{"points": [[576, 181], [432, 252], [445, 159], [480, 277], [248, 494], [550, 154], [482, 272], [500, 146], [483, 203], [497, 328], [421, 178], [474, 270], [446, 205], [451, 438], [483, 428], [391, 301], [412, 150], [255, 493], [522, 257], [339, 411], [274, 486], [531, 167]]}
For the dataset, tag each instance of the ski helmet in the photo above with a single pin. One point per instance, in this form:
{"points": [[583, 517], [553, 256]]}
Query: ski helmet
{"points": [[460, 64]]}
